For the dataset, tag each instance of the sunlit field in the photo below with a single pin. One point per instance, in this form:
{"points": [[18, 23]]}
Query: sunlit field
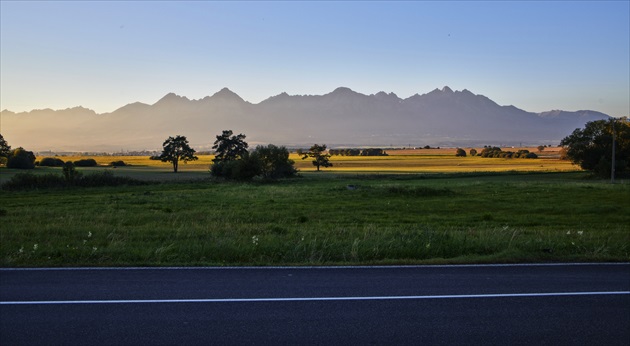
{"points": [[398, 161]]}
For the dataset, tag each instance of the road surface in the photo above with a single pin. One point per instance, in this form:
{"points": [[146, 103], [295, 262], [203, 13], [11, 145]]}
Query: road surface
{"points": [[575, 304]]}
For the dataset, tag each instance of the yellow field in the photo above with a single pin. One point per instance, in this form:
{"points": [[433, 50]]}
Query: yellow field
{"points": [[398, 161]]}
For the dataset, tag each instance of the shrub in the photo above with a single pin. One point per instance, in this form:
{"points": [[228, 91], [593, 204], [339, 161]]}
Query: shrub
{"points": [[473, 152], [118, 164], [460, 152], [51, 162], [29, 181], [70, 173], [245, 168], [85, 163], [106, 178], [531, 156]]}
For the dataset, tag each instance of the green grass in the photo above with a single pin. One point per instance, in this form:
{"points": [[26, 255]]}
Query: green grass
{"points": [[320, 219]]}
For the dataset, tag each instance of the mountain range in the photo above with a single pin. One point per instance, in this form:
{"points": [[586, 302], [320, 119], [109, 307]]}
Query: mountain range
{"points": [[341, 118]]}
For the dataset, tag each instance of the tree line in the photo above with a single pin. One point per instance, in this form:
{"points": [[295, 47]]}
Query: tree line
{"points": [[233, 160]]}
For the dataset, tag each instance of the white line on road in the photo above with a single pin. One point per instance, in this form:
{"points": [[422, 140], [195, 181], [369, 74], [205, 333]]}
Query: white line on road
{"points": [[307, 299], [322, 267]]}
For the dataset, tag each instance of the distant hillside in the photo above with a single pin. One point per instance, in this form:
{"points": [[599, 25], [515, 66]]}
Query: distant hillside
{"points": [[343, 117]]}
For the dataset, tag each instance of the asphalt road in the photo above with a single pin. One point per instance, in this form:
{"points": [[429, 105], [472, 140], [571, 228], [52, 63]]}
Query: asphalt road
{"points": [[579, 304]]}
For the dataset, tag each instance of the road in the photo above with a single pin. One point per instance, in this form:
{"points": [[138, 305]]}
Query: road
{"points": [[575, 304]]}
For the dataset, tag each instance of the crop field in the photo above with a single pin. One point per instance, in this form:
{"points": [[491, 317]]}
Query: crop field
{"points": [[399, 161], [397, 209]]}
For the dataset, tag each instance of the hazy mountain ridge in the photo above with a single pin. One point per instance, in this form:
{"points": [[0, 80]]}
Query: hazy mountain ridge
{"points": [[342, 117]]}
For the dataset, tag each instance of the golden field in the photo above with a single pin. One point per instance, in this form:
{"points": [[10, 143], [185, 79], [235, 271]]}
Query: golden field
{"points": [[399, 161]]}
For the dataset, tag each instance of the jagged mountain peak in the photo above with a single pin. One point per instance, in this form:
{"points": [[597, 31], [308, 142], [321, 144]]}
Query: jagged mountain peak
{"points": [[226, 94], [170, 98]]}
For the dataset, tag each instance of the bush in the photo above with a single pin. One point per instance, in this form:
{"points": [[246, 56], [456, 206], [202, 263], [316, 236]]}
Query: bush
{"points": [[460, 152], [245, 168], [118, 164], [273, 162], [106, 178], [51, 162], [29, 181], [21, 159], [85, 163], [473, 152], [70, 173]]}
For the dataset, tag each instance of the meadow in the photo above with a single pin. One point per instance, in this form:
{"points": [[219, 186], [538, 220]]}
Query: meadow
{"points": [[399, 209]]}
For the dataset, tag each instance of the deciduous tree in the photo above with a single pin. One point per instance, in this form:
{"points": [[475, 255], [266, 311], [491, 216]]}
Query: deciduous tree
{"points": [[229, 147], [21, 159], [177, 149], [591, 147], [274, 161], [318, 153], [5, 148]]}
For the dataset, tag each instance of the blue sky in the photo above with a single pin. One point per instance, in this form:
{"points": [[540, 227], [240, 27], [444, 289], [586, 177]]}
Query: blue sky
{"points": [[535, 55]]}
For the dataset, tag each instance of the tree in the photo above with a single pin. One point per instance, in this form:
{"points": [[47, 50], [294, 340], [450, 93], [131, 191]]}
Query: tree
{"points": [[177, 149], [70, 173], [21, 159], [274, 161], [460, 152], [228, 147], [5, 148], [541, 148], [318, 153], [473, 152], [591, 147]]}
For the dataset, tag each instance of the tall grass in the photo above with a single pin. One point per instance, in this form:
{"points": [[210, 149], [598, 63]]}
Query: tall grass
{"points": [[319, 220]]}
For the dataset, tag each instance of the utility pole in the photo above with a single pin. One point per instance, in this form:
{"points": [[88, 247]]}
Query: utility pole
{"points": [[612, 168]]}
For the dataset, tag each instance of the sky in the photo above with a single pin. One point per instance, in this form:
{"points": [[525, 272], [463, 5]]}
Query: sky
{"points": [[102, 55]]}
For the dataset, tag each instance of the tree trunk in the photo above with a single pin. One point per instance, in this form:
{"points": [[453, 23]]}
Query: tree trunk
{"points": [[175, 164]]}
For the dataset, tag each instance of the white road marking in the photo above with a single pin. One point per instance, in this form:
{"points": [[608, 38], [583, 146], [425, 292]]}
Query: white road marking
{"points": [[323, 267], [307, 299]]}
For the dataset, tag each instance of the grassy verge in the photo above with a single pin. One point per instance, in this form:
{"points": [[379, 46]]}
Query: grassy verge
{"points": [[322, 218]]}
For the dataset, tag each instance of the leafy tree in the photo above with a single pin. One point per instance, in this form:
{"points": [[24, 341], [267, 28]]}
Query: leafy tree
{"points": [[591, 147], [318, 153], [177, 149], [22, 159], [473, 152], [228, 147], [541, 148], [274, 161], [5, 148], [460, 152]]}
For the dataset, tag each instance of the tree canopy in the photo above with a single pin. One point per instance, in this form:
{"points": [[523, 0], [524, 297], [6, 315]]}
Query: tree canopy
{"points": [[229, 147], [177, 149], [21, 159], [318, 153], [5, 148], [274, 161], [591, 147]]}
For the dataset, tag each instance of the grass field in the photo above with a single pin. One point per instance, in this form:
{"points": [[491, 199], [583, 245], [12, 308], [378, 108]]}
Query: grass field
{"points": [[457, 210]]}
